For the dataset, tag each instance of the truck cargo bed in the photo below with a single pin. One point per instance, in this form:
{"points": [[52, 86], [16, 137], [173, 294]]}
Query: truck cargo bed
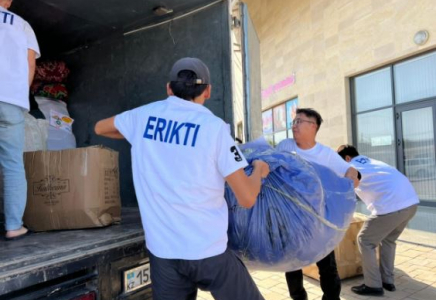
{"points": [[45, 256]]}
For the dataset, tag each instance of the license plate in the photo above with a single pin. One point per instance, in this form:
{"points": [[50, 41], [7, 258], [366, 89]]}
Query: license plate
{"points": [[137, 278]]}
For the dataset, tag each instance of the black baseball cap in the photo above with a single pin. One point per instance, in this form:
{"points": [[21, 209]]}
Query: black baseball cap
{"points": [[191, 64]]}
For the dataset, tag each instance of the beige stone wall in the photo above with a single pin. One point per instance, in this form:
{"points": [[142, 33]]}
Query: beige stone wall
{"points": [[324, 42]]}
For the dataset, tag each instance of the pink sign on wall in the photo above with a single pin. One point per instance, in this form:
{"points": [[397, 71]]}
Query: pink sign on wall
{"points": [[288, 81]]}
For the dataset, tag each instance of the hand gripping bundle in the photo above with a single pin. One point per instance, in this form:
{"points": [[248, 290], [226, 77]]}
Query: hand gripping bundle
{"points": [[301, 213]]}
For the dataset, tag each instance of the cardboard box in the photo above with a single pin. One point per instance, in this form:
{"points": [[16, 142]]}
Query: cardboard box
{"points": [[72, 189], [348, 257]]}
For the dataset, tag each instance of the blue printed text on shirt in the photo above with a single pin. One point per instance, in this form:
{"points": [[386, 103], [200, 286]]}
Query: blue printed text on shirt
{"points": [[6, 18], [170, 131]]}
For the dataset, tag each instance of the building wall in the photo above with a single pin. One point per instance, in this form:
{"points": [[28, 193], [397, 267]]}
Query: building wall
{"points": [[324, 42]]}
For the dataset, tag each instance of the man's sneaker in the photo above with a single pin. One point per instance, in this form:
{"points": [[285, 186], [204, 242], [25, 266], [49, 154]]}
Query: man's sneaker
{"points": [[389, 287], [367, 291]]}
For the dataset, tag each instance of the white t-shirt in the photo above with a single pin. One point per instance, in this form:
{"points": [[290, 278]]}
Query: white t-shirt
{"points": [[319, 154], [383, 188], [16, 37], [181, 154]]}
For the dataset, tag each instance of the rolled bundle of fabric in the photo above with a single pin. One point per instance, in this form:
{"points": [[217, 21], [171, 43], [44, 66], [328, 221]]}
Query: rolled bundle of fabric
{"points": [[57, 91], [51, 71], [301, 213], [50, 77]]}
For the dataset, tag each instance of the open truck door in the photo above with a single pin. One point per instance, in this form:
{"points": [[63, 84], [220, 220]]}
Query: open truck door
{"points": [[246, 74]]}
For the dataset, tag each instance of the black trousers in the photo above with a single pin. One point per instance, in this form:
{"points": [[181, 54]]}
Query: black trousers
{"points": [[224, 275], [329, 280]]}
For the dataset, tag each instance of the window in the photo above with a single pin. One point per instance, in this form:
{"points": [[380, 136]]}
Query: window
{"points": [[277, 121], [267, 125], [373, 90], [394, 111], [415, 79], [375, 135]]}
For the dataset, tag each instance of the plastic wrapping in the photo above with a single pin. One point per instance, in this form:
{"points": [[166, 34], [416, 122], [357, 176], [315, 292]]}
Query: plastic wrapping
{"points": [[35, 133], [348, 257], [301, 213], [60, 137]]}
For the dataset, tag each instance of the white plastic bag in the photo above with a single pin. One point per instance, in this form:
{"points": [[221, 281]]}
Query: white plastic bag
{"points": [[35, 132], [59, 137]]}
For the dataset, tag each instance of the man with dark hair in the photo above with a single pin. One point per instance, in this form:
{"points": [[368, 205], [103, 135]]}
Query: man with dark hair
{"points": [[392, 200], [187, 89], [304, 128], [18, 51], [311, 114], [182, 155]]}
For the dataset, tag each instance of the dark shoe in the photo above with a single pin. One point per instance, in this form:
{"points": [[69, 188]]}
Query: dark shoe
{"points": [[389, 287], [367, 291], [301, 296]]}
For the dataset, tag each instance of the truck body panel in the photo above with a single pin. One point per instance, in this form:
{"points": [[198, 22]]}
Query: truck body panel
{"points": [[42, 263], [120, 55]]}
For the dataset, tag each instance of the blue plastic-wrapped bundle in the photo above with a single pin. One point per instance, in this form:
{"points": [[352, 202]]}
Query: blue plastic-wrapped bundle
{"points": [[301, 213]]}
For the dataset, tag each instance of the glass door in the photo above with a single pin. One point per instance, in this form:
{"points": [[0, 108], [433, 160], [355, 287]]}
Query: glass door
{"points": [[416, 149]]}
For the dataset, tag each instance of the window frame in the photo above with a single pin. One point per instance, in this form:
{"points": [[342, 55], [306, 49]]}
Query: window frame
{"points": [[397, 108], [286, 130]]}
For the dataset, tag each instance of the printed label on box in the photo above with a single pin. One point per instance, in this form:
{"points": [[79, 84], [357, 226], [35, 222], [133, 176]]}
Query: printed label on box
{"points": [[111, 185], [51, 188]]}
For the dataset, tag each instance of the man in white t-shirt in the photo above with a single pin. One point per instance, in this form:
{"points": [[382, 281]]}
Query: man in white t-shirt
{"points": [[392, 200], [182, 155], [18, 51], [305, 126]]}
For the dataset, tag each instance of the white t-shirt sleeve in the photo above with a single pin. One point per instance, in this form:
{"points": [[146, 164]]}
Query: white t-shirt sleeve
{"points": [[229, 157], [124, 122], [32, 43], [285, 146], [337, 164]]}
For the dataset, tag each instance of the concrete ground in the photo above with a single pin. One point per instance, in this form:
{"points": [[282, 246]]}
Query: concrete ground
{"points": [[415, 272]]}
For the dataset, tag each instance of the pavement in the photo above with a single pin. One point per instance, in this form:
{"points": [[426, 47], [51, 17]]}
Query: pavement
{"points": [[415, 279]]}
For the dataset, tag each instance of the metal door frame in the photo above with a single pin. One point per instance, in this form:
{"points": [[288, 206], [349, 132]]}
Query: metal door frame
{"points": [[398, 110]]}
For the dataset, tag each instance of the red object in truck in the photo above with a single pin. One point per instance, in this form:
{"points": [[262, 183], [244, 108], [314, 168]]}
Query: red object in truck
{"points": [[90, 296]]}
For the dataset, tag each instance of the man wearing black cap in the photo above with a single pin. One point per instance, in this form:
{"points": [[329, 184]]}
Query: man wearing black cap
{"points": [[182, 155]]}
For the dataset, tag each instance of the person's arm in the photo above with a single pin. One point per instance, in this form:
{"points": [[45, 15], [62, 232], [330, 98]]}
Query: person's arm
{"points": [[31, 59], [106, 127], [338, 165], [247, 188], [353, 174]]}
